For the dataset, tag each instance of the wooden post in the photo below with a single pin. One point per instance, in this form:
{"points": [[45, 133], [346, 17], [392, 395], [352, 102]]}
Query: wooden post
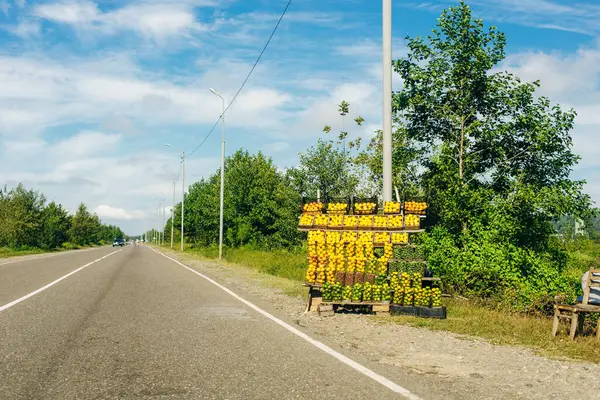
{"points": [[556, 320], [574, 320]]}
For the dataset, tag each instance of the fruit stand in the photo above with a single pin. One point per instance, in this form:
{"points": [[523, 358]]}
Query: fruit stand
{"points": [[361, 256]]}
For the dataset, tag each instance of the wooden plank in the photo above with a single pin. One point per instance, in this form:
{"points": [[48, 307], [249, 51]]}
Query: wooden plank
{"points": [[326, 313], [325, 307], [381, 308], [314, 303]]}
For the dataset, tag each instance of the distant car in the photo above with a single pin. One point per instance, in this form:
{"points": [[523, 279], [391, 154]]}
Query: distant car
{"points": [[118, 242]]}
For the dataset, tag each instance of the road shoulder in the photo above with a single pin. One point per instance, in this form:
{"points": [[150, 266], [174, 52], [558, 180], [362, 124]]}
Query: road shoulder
{"points": [[465, 364]]}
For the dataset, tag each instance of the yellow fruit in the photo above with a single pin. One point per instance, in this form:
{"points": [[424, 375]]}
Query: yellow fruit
{"points": [[333, 237], [391, 207], [382, 237], [315, 206], [335, 220], [365, 237], [395, 221], [380, 221], [306, 220], [412, 221], [321, 220], [350, 221], [348, 237], [365, 221], [365, 208], [399, 238], [337, 207], [415, 206]]}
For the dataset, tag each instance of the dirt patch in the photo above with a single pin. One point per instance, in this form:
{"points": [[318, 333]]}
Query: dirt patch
{"points": [[466, 367]]}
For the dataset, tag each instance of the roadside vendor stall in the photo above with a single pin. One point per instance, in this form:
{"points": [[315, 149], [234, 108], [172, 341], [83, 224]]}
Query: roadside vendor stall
{"points": [[362, 256]]}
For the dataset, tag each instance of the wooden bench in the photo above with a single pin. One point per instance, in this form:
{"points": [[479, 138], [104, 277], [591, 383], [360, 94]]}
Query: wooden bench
{"points": [[573, 312]]}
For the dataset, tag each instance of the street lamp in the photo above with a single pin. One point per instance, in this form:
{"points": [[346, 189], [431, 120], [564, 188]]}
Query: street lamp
{"points": [[387, 98], [173, 213], [222, 171], [182, 187]]}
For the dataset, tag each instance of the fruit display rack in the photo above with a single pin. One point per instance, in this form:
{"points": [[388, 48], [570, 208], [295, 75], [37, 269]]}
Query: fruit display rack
{"points": [[366, 259]]}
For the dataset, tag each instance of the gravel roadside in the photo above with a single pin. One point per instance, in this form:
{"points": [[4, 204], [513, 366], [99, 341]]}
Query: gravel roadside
{"points": [[471, 365]]}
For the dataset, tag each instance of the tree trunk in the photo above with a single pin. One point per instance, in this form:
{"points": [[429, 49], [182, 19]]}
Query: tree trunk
{"points": [[461, 150], [461, 158]]}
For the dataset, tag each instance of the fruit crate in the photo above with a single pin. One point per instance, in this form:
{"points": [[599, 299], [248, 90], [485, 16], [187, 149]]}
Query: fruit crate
{"points": [[395, 217], [312, 205], [304, 221], [396, 309], [338, 206], [392, 207], [415, 206], [365, 223], [321, 221], [402, 240], [381, 238], [359, 208], [431, 312], [412, 222], [409, 267], [336, 222], [380, 222], [350, 222]]}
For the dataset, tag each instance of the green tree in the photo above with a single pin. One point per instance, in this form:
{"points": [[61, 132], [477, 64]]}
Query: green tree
{"points": [[323, 167], [85, 227], [55, 226], [497, 172], [261, 208], [21, 217]]}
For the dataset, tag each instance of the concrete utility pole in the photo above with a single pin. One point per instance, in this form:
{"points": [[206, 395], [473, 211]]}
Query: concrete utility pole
{"points": [[172, 214], [182, 189], [222, 172], [387, 99], [182, 193]]}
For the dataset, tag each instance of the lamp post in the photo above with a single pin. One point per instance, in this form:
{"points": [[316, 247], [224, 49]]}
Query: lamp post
{"points": [[182, 188], [172, 213], [222, 172], [387, 98]]}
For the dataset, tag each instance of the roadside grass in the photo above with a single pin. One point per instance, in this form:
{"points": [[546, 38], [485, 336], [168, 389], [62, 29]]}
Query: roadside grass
{"points": [[6, 252], [285, 270], [500, 327]]}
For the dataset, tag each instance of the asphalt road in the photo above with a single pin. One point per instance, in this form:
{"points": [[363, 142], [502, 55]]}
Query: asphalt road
{"points": [[135, 324]]}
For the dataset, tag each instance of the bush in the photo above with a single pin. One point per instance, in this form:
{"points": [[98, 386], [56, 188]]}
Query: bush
{"points": [[512, 277]]}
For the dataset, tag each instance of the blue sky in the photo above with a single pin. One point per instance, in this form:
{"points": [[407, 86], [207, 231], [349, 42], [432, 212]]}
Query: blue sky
{"points": [[91, 90]]}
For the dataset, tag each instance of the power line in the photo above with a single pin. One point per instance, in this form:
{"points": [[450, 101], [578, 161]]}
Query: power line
{"points": [[247, 77]]}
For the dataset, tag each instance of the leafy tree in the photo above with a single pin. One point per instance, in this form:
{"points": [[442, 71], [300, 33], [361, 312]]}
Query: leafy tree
{"points": [[20, 217], [497, 172], [261, 208], [323, 167], [55, 226], [85, 227]]}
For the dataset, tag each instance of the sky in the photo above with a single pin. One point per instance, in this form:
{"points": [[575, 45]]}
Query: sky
{"points": [[90, 91]]}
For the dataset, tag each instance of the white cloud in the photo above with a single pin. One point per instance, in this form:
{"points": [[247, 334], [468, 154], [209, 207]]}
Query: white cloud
{"points": [[106, 211], [40, 92], [25, 29], [571, 80], [154, 20], [579, 17]]}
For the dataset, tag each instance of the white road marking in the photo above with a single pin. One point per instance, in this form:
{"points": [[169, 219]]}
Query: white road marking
{"points": [[17, 301], [351, 363], [47, 256]]}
